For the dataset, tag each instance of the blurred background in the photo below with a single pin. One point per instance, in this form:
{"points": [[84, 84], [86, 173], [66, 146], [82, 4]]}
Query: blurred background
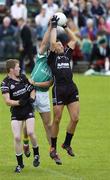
{"points": [[24, 22]]}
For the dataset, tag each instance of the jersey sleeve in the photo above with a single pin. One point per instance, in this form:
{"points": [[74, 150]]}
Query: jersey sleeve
{"points": [[4, 87], [29, 86], [51, 57], [69, 52]]}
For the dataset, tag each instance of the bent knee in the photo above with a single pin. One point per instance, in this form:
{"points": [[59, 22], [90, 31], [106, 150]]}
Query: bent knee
{"points": [[30, 133], [57, 117], [17, 138], [75, 118]]}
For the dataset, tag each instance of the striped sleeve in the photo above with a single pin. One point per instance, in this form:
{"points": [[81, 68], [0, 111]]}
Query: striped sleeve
{"points": [[4, 87]]}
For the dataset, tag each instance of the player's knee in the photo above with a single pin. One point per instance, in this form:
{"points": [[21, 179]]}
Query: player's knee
{"points": [[30, 133], [17, 139], [57, 116], [75, 118], [47, 124]]}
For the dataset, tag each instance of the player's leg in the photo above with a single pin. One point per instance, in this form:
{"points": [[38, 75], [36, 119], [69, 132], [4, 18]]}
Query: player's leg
{"points": [[46, 118], [73, 109], [30, 125], [25, 141], [57, 111], [17, 129]]}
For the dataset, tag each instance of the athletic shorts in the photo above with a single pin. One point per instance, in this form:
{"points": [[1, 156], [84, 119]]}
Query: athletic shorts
{"points": [[65, 94], [22, 117], [42, 102]]}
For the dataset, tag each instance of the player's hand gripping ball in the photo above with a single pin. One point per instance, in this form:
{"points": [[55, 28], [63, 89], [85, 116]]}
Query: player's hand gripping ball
{"points": [[62, 18]]}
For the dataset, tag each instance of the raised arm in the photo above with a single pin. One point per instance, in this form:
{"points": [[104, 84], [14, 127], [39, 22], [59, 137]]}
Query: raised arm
{"points": [[45, 41], [53, 34], [72, 37]]}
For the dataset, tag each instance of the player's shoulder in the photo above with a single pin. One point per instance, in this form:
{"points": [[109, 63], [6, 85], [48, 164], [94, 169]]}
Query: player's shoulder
{"points": [[5, 85], [51, 53], [5, 80], [68, 48], [22, 77]]}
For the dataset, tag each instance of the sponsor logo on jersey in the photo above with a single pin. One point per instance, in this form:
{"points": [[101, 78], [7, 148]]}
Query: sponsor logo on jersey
{"points": [[60, 102], [12, 86], [19, 92], [30, 114], [63, 65]]}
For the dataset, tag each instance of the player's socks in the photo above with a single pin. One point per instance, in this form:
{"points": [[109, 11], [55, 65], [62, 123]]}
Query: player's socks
{"points": [[20, 160], [53, 153], [68, 139], [26, 147], [53, 142], [26, 141], [66, 144], [36, 150], [36, 161]]}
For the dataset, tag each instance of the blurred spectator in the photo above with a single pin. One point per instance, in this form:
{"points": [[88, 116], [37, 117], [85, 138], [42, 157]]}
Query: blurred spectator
{"points": [[89, 30], [51, 8], [32, 26], [9, 3], [107, 5], [3, 10], [26, 46], [108, 27], [41, 21], [66, 8], [17, 11], [100, 54], [102, 24], [8, 44], [86, 48], [77, 17], [97, 10], [33, 7]]}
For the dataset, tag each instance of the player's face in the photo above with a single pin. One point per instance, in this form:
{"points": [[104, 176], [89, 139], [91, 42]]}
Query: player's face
{"points": [[16, 70], [59, 48]]}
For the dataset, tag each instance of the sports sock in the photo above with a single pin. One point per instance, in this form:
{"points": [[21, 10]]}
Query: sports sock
{"points": [[53, 142], [19, 159], [68, 139], [26, 141], [36, 150]]}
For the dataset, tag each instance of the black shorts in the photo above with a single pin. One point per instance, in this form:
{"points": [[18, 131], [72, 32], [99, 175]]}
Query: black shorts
{"points": [[22, 113], [65, 94], [22, 117]]}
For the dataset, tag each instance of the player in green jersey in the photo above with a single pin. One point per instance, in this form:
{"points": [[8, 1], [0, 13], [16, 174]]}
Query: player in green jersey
{"points": [[41, 78]]}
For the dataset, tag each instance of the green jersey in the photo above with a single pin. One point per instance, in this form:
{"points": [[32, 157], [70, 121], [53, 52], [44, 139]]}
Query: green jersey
{"points": [[41, 71]]}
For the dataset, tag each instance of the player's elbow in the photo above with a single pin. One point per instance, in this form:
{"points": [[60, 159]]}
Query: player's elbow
{"points": [[8, 103], [53, 45]]}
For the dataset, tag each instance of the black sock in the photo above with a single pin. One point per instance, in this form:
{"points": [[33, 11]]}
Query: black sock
{"points": [[53, 142], [68, 139], [19, 159], [36, 150]]}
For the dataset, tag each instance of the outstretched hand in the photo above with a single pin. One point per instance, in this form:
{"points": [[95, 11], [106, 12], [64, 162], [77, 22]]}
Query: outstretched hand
{"points": [[54, 21]]}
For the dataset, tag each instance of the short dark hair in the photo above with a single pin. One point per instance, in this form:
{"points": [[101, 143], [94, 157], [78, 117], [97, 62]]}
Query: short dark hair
{"points": [[11, 63]]}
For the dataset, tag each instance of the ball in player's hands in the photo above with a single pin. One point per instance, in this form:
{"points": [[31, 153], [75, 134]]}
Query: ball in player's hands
{"points": [[62, 18]]}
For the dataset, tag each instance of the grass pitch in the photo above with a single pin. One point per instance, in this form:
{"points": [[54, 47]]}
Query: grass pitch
{"points": [[91, 142]]}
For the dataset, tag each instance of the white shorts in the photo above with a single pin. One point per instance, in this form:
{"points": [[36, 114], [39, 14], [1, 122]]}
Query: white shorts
{"points": [[42, 102]]}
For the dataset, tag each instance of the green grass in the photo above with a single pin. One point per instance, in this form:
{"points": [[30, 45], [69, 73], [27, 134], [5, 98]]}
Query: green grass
{"points": [[91, 142]]}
